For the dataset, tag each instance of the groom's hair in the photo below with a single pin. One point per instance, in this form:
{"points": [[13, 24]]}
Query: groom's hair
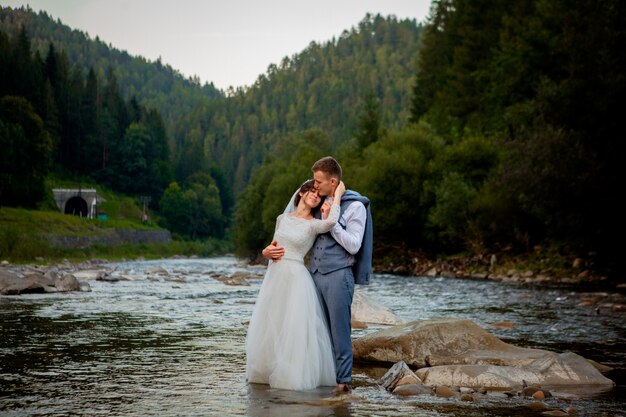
{"points": [[329, 166]]}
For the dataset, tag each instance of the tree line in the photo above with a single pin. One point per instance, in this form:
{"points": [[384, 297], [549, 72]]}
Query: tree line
{"points": [[490, 127], [512, 142], [56, 118]]}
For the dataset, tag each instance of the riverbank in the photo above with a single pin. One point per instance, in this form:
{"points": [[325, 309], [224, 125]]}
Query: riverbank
{"points": [[538, 267]]}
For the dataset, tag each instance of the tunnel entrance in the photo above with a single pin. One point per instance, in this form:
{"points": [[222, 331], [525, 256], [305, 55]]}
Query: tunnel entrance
{"points": [[76, 206]]}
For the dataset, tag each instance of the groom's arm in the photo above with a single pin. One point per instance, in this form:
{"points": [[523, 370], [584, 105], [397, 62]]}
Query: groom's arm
{"points": [[353, 219], [273, 251]]}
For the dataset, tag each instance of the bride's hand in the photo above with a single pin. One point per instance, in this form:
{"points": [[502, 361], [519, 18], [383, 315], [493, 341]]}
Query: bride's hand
{"points": [[339, 191], [325, 209]]}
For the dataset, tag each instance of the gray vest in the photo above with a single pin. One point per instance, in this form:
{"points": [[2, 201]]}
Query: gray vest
{"points": [[327, 255]]}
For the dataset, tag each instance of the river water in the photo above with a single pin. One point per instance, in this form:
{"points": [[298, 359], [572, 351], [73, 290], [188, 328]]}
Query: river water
{"points": [[165, 348]]}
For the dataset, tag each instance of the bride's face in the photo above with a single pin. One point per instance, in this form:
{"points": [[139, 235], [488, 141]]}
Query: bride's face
{"points": [[311, 198]]}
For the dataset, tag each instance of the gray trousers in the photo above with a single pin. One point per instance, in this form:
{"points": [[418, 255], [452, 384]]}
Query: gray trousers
{"points": [[335, 291]]}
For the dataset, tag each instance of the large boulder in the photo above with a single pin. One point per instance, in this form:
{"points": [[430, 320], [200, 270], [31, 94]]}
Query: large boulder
{"points": [[552, 369], [459, 352], [67, 282], [13, 284], [439, 341], [367, 310]]}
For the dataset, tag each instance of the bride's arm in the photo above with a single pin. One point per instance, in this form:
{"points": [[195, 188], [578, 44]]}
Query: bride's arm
{"points": [[324, 225]]}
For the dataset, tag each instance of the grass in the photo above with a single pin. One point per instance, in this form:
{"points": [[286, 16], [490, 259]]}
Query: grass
{"points": [[23, 232], [22, 239]]}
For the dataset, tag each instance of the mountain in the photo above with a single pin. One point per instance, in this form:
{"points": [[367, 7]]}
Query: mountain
{"points": [[326, 87], [155, 85]]}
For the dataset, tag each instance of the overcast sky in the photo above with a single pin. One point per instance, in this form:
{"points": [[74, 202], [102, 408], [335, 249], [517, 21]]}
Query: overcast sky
{"points": [[227, 42]]}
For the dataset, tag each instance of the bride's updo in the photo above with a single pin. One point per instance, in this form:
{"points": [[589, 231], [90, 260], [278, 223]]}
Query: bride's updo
{"points": [[305, 188]]}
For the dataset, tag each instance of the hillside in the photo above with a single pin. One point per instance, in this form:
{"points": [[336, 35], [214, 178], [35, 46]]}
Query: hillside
{"points": [[323, 86], [155, 85], [326, 86]]}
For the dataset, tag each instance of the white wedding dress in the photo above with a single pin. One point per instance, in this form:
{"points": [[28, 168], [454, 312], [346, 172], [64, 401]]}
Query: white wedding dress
{"points": [[288, 345]]}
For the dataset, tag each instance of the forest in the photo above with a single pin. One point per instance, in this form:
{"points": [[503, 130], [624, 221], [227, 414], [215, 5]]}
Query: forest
{"points": [[490, 127]]}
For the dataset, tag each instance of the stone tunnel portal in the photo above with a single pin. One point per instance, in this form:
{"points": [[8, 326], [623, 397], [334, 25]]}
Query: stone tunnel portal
{"points": [[76, 206]]}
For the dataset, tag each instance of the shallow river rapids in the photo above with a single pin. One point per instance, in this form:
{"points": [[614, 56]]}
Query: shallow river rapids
{"points": [[164, 348]]}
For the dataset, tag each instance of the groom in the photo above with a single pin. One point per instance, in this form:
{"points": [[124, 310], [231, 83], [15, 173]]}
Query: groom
{"points": [[339, 259]]}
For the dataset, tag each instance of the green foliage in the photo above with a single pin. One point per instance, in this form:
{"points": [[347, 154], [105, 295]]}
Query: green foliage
{"points": [[452, 214], [65, 120], [369, 124], [395, 174], [26, 151], [272, 186], [154, 84], [23, 238], [321, 87], [544, 81], [194, 211]]}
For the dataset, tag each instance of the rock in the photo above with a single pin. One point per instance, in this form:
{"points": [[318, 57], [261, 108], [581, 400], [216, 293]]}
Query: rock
{"points": [[246, 275], [619, 308], [398, 372], [467, 397], [448, 274], [237, 281], [85, 287], [439, 342], [355, 324], [412, 389], [537, 406], [566, 369], [503, 324], [443, 391], [367, 310], [458, 352], [52, 275], [4, 262], [583, 275], [539, 395], [432, 272], [497, 394], [529, 391], [90, 275], [13, 284], [600, 367], [157, 271], [555, 413], [67, 282]]}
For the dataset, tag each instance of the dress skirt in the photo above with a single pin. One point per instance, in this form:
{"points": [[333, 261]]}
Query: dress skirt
{"points": [[288, 344]]}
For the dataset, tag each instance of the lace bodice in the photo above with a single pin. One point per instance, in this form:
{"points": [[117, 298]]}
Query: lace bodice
{"points": [[297, 235]]}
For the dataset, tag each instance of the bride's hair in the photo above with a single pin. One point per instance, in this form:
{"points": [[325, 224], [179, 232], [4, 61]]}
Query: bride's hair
{"points": [[305, 188]]}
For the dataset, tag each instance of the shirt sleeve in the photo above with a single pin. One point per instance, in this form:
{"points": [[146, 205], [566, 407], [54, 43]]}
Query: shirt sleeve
{"points": [[278, 219], [353, 219], [323, 226]]}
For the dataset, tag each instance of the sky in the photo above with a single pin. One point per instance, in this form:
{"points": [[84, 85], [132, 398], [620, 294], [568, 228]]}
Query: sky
{"points": [[226, 42]]}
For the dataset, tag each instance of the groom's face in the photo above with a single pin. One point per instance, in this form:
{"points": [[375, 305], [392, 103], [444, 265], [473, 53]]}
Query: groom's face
{"points": [[324, 184]]}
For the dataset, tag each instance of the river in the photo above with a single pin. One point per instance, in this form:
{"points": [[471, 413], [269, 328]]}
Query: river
{"points": [[159, 347]]}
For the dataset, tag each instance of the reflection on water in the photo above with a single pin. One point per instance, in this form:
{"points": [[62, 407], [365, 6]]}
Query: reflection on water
{"points": [[157, 347]]}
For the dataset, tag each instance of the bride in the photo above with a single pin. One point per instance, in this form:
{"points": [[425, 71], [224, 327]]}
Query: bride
{"points": [[288, 344]]}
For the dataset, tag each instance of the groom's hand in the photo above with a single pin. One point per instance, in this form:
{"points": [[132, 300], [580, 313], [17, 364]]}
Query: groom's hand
{"points": [[273, 251]]}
